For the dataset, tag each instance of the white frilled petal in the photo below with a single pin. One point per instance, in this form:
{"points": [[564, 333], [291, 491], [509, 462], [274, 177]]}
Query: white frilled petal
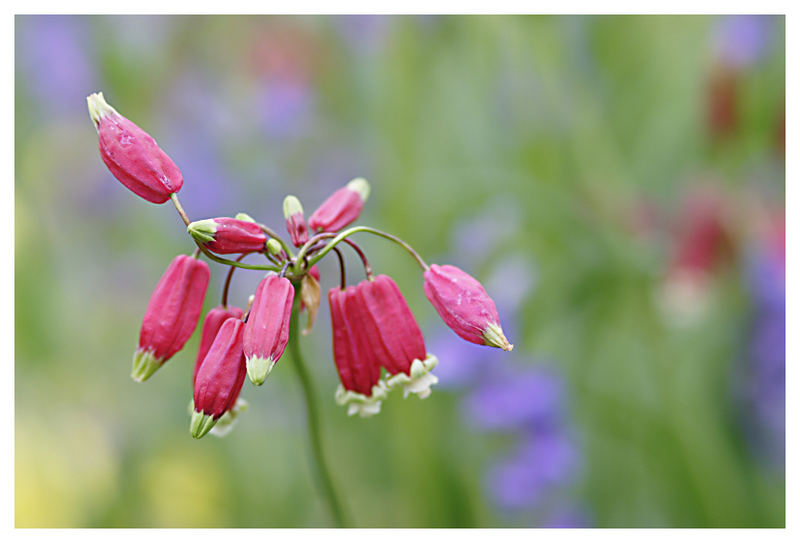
{"points": [[420, 380], [364, 406]]}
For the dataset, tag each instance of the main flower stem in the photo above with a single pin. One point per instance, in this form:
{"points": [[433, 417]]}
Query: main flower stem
{"points": [[322, 474]]}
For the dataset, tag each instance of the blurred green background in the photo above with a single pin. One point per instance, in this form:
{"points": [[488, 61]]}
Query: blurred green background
{"points": [[617, 182]]}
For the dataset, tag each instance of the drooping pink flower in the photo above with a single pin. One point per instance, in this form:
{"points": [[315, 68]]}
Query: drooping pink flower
{"points": [[267, 329], [225, 235], [295, 220], [357, 364], [394, 336], [172, 314], [132, 156], [464, 306], [341, 208], [211, 325], [219, 379]]}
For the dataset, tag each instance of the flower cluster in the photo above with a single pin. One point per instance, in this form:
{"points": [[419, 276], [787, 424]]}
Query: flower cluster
{"points": [[377, 343]]}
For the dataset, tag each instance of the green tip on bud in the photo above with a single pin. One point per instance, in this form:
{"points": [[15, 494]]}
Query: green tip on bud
{"points": [[493, 337], [203, 231], [244, 217], [144, 365], [258, 369], [291, 206], [274, 246], [98, 107], [361, 186], [201, 424]]}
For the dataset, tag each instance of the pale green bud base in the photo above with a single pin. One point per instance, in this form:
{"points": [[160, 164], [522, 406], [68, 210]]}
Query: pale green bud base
{"points": [[201, 424], [144, 365], [364, 406], [226, 422], [258, 369], [98, 107], [420, 381], [244, 217], [361, 186], [291, 205], [274, 246], [203, 231], [493, 336]]}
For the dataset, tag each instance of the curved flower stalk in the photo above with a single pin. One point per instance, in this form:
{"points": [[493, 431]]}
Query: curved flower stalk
{"points": [[377, 343]]}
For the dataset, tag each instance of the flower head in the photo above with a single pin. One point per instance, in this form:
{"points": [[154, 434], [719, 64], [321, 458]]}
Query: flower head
{"points": [[295, 221], [132, 156], [359, 370], [267, 329], [464, 306], [219, 379], [225, 235], [341, 208], [172, 314]]}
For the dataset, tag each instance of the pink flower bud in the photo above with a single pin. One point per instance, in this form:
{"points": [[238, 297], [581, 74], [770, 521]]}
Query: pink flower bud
{"points": [[464, 306], [341, 208], [132, 155], [172, 314], [219, 379], [394, 336], [267, 329], [211, 325], [358, 366], [225, 235], [295, 221]]}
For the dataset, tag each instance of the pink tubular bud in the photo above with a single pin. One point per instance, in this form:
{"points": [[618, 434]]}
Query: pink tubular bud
{"points": [[295, 221], [341, 208], [225, 235], [267, 330], [132, 156], [211, 325], [394, 336], [172, 314], [219, 379], [464, 306], [358, 367]]}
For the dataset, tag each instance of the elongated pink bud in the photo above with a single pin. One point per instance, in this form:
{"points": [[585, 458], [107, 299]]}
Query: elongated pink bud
{"points": [[267, 329], [394, 336], [341, 208], [211, 325], [219, 379], [172, 314], [464, 306], [225, 235], [358, 366], [295, 220], [132, 155]]}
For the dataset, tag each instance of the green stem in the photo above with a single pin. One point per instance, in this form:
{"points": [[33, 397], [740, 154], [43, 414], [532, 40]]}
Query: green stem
{"points": [[323, 476], [350, 231]]}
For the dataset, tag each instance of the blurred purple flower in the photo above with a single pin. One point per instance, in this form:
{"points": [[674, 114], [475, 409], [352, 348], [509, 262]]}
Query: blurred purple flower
{"points": [[568, 517], [54, 56], [475, 238], [511, 398], [286, 106], [742, 40], [364, 34], [541, 463], [766, 372]]}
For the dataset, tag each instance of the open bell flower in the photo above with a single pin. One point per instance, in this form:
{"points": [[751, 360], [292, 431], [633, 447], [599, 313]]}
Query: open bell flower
{"points": [[361, 389], [341, 208], [172, 314], [225, 235], [219, 379], [211, 325], [464, 306], [267, 330], [132, 155], [395, 337]]}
